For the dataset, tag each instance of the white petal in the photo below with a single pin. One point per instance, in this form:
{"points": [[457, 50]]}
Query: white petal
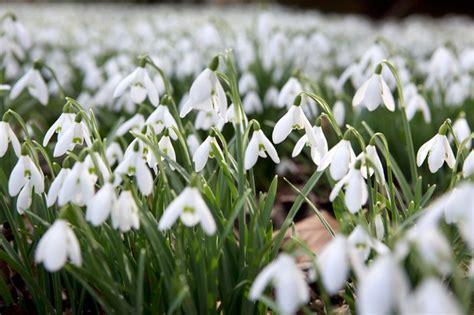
{"points": [[262, 280], [251, 154], [283, 127], [201, 155], [387, 96], [360, 94], [423, 151], [17, 177], [144, 178], [124, 84], [151, 90]]}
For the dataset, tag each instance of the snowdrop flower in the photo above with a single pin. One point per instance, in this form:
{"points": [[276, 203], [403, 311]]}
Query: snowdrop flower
{"points": [[432, 247], [125, 214], [133, 164], [386, 281], [290, 286], [100, 206], [374, 165], [359, 244], [415, 102], [259, 145], [468, 167], [431, 297], [160, 119], [374, 92], [207, 120], [462, 131], [252, 103], [207, 94], [166, 147], [24, 177], [339, 112], [76, 133], [293, 119], [135, 124], [271, 96], [338, 159], [34, 82], [204, 152], [65, 120], [289, 92], [333, 265], [141, 87], [442, 67], [98, 166], [247, 83], [56, 186], [318, 149], [7, 135], [114, 153], [57, 245], [438, 151], [356, 189], [379, 227], [78, 186], [191, 209], [14, 29]]}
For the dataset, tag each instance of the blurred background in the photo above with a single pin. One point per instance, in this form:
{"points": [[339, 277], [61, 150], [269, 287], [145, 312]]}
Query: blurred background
{"points": [[377, 9]]}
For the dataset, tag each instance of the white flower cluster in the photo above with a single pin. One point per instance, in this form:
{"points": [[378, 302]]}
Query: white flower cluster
{"points": [[111, 176]]}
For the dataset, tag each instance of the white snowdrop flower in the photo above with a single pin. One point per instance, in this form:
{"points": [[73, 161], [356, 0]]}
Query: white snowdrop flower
{"points": [[457, 205], [259, 145], [7, 135], [432, 247], [247, 83], [204, 152], [359, 244], [206, 94], [135, 124], [101, 205], [57, 245], [24, 177], [288, 280], [415, 102], [442, 67], [78, 186], [56, 186], [379, 227], [125, 214], [252, 103], [271, 96], [191, 209], [468, 166], [374, 92], [133, 164], [438, 151], [62, 124], [76, 134], [145, 151], [114, 153], [339, 112], [193, 143], [166, 147], [333, 264], [386, 281], [338, 159], [207, 120], [17, 31], [141, 87], [289, 92], [160, 119], [356, 194], [431, 297], [97, 167], [318, 150], [462, 131], [34, 83], [374, 166], [293, 119]]}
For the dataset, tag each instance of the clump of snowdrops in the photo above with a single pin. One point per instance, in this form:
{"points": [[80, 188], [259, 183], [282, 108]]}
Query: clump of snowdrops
{"points": [[126, 201]]}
